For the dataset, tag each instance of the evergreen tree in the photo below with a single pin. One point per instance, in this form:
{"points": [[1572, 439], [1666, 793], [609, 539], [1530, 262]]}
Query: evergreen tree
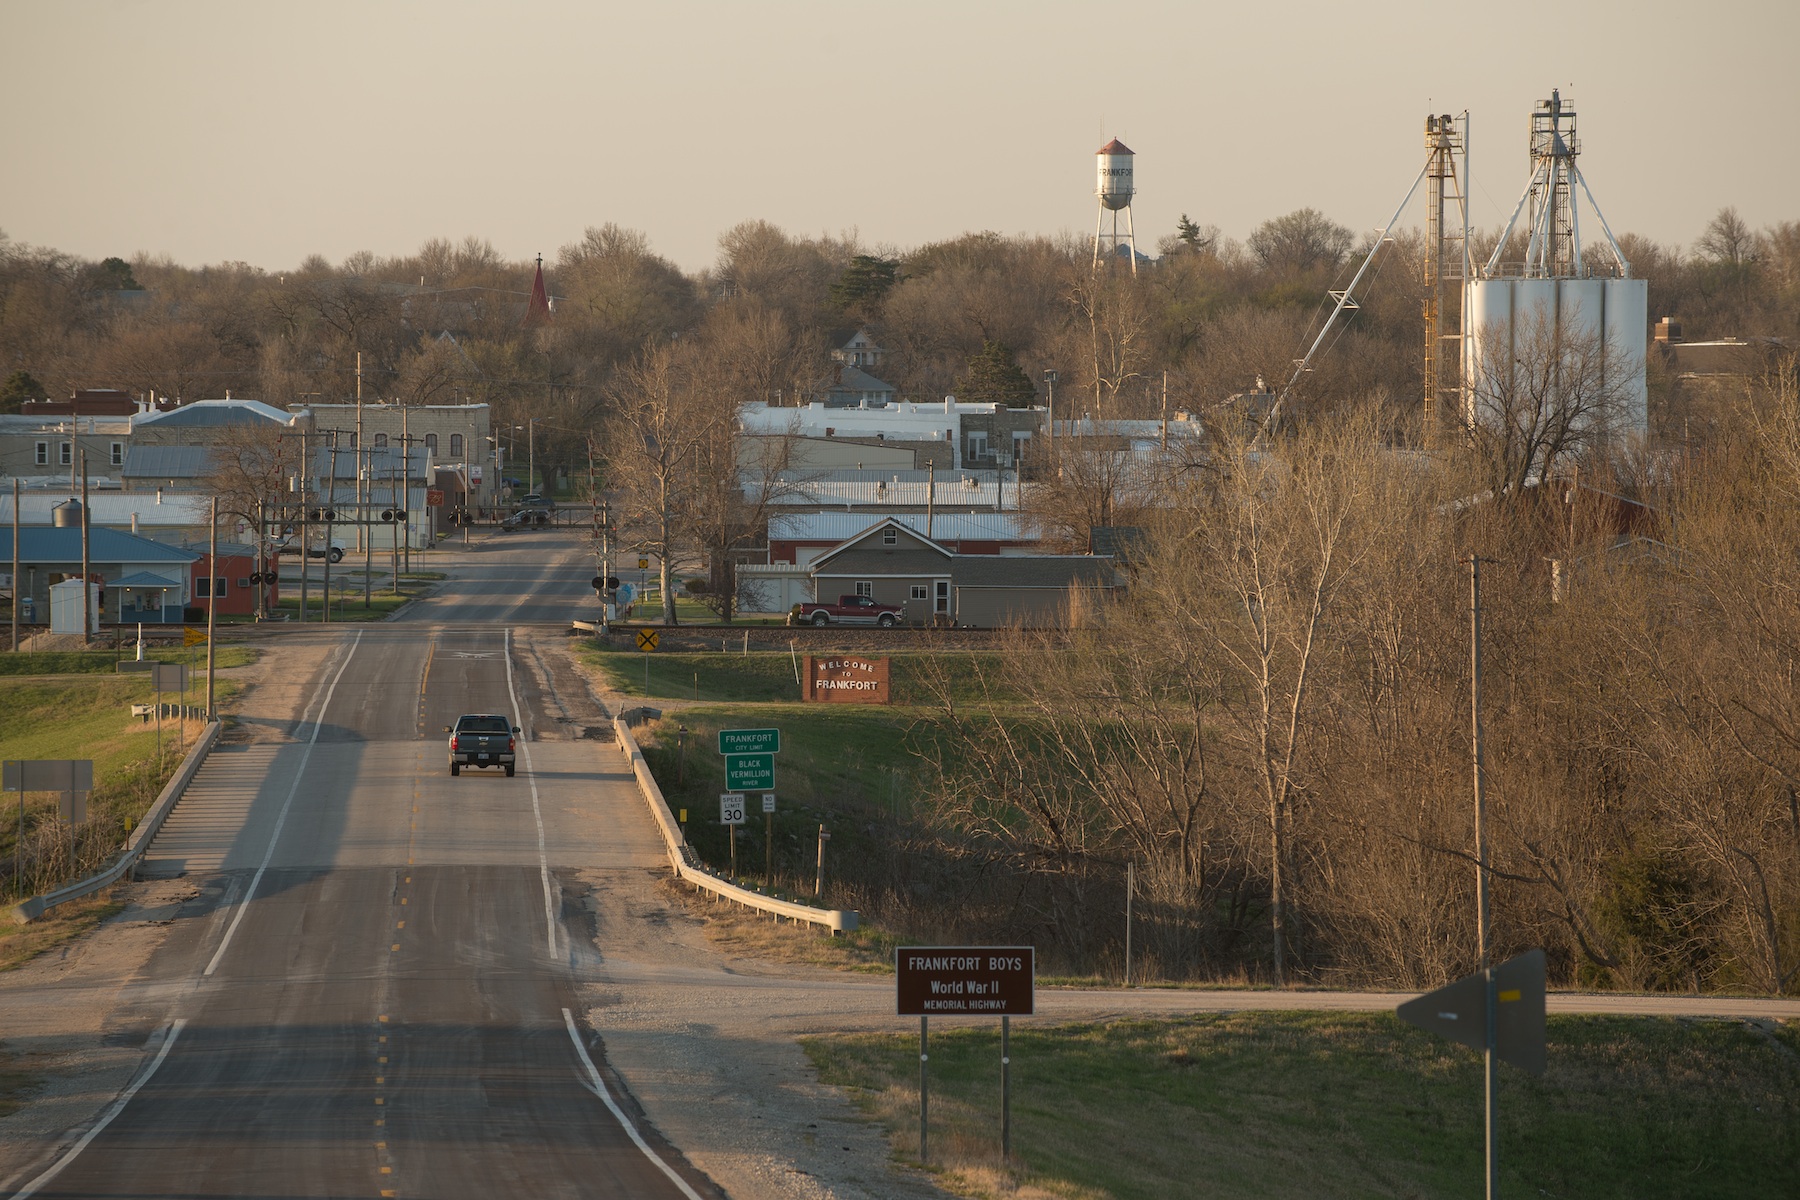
{"points": [[114, 275], [995, 378], [865, 281], [19, 387]]}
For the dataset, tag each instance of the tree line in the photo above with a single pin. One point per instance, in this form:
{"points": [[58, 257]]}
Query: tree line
{"points": [[1273, 725]]}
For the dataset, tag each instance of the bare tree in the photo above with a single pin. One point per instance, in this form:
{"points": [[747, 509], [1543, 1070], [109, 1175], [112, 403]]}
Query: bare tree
{"points": [[1546, 392], [660, 424]]}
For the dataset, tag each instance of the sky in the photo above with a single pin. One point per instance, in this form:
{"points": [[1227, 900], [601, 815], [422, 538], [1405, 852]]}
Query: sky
{"points": [[263, 133]]}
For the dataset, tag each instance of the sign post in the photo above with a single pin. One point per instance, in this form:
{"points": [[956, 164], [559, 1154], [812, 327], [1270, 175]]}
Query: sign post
{"points": [[965, 980], [646, 641], [1500, 1012], [769, 839], [71, 778], [731, 815]]}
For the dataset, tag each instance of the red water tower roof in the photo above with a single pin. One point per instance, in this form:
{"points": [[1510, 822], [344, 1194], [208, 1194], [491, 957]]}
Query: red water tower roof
{"points": [[1115, 147]]}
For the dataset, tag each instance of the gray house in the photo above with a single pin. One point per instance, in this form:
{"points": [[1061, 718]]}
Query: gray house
{"points": [[896, 565]]}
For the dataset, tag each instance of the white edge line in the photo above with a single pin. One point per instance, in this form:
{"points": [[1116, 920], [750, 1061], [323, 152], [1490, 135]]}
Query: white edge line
{"points": [[537, 811], [599, 1086], [281, 818], [106, 1118]]}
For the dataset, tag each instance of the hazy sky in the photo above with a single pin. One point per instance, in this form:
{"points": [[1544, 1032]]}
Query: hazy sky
{"points": [[261, 132]]}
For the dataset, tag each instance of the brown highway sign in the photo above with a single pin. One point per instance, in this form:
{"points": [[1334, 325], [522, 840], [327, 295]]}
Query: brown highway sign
{"points": [[949, 981]]}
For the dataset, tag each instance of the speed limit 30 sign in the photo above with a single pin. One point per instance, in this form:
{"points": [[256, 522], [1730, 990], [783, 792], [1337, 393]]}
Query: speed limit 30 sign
{"points": [[731, 808]]}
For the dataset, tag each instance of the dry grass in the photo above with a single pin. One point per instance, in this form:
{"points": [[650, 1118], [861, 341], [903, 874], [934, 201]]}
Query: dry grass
{"points": [[746, 933], [1344, 1105], [19, 944]]}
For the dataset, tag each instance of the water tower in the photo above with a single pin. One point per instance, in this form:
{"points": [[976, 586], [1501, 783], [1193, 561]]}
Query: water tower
{"points": [[1587, 302], [1115, 189]]}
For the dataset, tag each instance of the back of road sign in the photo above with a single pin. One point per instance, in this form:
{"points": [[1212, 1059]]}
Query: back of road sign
{"points": [[1458, 1011]]}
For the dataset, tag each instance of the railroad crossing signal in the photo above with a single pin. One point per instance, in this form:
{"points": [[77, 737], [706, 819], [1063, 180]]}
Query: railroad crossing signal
{"points": [[647, 639], [643, 564]]}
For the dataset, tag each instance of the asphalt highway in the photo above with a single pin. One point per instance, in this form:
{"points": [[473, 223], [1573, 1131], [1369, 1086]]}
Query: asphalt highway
{"points": [[372, 994]]}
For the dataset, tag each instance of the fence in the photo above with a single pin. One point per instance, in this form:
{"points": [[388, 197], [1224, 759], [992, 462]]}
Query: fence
{"points": [[687, 865]]}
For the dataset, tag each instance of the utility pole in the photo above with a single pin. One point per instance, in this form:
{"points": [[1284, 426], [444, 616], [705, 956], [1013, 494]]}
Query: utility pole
{"points": [[305, 532], [212, 604], [365, 488], [357, 446], [15, 567], [86, 525], [1483, 906], [406, 480], [329, 514]]}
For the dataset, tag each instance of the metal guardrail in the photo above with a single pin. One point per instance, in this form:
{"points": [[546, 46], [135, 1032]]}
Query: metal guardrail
{"points": [[29, 910], [687, 864]]}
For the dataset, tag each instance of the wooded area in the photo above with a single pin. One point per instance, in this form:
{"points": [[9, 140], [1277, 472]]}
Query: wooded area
{"points": [[1273, 724]]}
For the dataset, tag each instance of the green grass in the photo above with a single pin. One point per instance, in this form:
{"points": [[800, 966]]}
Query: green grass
{"points": [[768, 676], [104, 662], [1340, 1105], [839, 765], [345, 606], [87, 716]]}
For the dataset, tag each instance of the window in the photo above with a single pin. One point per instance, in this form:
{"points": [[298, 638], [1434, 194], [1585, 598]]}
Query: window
{"points": [[920, 592], [978, 444], [43, 454], [243, 582], [431, 444], [205, 588], [381, 441], [118, 454], [865, 588], [353, 440], [942, 603], [889, 537], [68, 453], [456, 445]]}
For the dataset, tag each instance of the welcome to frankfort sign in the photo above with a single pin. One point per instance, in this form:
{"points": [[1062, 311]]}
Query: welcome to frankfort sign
{"points": [[846, 679]]}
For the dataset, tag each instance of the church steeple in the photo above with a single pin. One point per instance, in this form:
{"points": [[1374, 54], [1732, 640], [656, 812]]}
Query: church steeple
{"points": [[537, 309]]}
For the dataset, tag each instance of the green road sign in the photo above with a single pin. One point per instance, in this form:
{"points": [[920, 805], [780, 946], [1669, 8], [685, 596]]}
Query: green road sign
{"points": [[750, 772], [749, 741]]}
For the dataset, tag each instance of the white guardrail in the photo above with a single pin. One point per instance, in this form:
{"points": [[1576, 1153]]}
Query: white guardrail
{"points": [[835, 920], [29, 910]]}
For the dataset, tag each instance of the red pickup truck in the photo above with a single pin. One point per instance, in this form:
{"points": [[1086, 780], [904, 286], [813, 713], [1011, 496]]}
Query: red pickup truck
{"points": [[849, 610]]}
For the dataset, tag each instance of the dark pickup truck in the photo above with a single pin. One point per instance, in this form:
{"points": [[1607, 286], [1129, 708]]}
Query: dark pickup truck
{"points": [[482, 740], [849, 610]]}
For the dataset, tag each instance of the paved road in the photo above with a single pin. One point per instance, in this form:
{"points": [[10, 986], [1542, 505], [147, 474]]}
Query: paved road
{"points": [[373, 993], [521, 577]]}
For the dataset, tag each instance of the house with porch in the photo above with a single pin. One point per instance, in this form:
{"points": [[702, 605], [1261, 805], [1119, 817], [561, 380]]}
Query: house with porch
{"points": [[141, 580]]}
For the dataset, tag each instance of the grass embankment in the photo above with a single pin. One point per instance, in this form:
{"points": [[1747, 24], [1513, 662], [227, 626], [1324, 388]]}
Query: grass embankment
{"points": [[1343, 1105], [772, 676], [345, 605], [847, 767], [87, 716], [105, 662]]}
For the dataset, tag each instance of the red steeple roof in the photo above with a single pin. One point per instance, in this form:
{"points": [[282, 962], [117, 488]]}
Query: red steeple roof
{"points": [[537, 309]]}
